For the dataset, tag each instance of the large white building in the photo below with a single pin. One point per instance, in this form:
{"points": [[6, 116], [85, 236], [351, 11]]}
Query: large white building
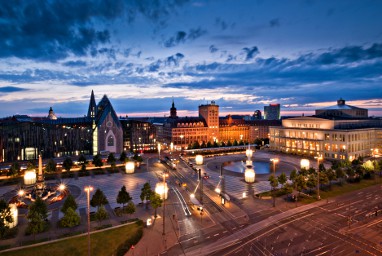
{"points": [[333, 138]]}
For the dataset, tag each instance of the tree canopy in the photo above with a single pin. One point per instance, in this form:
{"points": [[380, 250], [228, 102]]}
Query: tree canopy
{"points": [[5, 217], [98, 199]]}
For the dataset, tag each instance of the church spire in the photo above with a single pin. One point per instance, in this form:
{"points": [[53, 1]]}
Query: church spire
{"points": [[92, 106], [173, 110]]}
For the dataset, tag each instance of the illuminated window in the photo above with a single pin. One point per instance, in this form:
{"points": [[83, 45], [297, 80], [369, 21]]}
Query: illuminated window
{"points": [[110, 141]]}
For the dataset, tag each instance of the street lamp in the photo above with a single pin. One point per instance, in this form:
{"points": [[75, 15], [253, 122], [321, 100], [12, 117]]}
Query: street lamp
{"points": [[164, 203], [181, 141], [275, 161], [318, 175], [87, 190], [159, 148]]}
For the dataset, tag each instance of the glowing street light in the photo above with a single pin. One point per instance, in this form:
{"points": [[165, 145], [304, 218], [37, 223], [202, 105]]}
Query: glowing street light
{"points": [[21, 192], [199, 159], [304, 164], [87, 190], [62, 187], [129, 167]]}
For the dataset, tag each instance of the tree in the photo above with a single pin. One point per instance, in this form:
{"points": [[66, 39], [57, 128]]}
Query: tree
{"points": [[331, 176], [196, 145], [111, 160], [215, 144], [82, 159], [293, 176], [67, 164], [130, 208], [123, 157], [70, 202], [340, 174], [37, 214], [70, 219], [203, 145], [101, 214], [274, 184], [146, 192], [282, 178], [156, 202], [97, 160], [229, 143], [323, 178], [5, 217], [98, 199], [209, 144], [223, 144], [14, 170], [235, 143], [51, 166], [123, 197], [300, 183], [312, 181]]}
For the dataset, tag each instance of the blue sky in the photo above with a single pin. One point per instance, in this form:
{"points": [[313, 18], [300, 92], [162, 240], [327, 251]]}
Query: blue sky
{"points": [[244, 54]]}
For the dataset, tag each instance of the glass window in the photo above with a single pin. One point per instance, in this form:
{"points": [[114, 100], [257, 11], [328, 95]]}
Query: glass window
{"points": [[110, 141]]}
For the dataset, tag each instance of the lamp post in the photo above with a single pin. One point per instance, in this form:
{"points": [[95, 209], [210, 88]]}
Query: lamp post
{"points": [[164, 203], [318, 175], [275, 161], [181, 141], [87, 190], [159, 148]]}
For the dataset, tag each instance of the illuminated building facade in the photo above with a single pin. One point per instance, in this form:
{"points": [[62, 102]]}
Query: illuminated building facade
{"points": [[23, 137], [333, 138], [209, 128], [138, 136]]}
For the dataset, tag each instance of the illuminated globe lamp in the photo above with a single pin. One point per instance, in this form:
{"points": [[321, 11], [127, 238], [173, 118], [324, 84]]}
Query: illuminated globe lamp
{"points": [[199, 159], [305, 164], [161, 189], [249, 153], [129, 167], [249, 175], [30, 177]]}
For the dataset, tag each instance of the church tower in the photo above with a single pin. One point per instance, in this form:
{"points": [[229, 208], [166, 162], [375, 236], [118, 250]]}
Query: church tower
{"points": [[173, 110], [52, 115], [92, 106]]}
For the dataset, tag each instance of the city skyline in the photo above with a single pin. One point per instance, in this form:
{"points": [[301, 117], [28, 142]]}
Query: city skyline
{"points": [[242, 54]]}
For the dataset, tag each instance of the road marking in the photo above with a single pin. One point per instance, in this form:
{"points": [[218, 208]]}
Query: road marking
{"points": [[216, 234]]}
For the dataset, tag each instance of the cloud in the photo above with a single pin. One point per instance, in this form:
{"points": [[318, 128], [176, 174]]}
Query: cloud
{"points": [[213, 49], [77, 63], [349, 54], [182, 37], [250, 52], [54, 30], [9, 89]]}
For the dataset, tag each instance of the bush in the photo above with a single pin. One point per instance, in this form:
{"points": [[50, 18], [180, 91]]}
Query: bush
{"points": [[10, 233]]}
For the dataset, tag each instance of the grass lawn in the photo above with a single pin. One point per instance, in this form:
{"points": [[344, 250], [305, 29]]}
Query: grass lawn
{"points": [[345, 188], [102, 243]]}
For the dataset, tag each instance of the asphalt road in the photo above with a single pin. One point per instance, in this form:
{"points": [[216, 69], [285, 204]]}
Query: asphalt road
{"points": [[346, 226]]}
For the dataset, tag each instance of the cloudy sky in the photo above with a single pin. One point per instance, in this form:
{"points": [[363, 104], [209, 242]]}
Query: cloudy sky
{"points": [[244, 54]]}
